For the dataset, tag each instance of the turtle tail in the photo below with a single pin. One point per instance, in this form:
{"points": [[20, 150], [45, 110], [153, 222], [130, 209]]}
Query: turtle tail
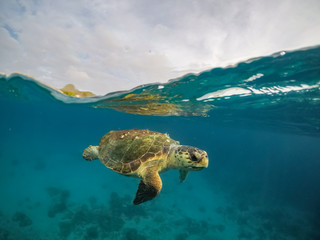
{"points": [[91, 153]]}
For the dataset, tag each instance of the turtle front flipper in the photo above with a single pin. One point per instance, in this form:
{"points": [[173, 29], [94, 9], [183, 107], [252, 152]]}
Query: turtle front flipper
{"points": [[149, 187], [183, 174]]}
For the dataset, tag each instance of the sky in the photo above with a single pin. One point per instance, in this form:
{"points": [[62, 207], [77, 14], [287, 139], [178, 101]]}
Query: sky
{"points": [[112, 45]]}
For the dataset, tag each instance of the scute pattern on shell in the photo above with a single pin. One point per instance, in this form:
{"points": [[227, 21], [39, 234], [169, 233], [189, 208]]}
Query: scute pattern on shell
{"points": [[124, 151]]}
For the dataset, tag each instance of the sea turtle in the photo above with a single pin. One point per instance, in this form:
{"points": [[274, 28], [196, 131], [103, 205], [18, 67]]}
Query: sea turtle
{"points": [[145, 154]]}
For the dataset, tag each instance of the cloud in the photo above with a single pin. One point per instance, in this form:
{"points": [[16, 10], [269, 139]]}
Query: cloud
{"points": [[105, 46]]}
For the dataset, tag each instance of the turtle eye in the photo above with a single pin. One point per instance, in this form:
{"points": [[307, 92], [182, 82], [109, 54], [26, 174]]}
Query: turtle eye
{"points": [[194, 158]]}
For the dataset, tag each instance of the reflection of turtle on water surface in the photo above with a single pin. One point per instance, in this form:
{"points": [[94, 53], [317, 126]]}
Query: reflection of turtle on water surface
{"points": [[145, 154]]}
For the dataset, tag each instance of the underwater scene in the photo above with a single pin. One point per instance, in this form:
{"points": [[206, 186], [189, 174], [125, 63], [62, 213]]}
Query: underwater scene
{"points": [[258, 121]]}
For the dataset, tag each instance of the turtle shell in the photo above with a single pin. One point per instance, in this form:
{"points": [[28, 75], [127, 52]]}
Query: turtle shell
{"points": [[126, 150]]}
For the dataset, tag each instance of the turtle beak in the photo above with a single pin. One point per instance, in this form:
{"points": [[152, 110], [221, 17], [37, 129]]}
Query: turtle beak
{"points": [[205, 160]]}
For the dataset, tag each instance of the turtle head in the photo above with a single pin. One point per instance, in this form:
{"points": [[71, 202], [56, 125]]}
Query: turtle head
{"points": [[190, 158]]}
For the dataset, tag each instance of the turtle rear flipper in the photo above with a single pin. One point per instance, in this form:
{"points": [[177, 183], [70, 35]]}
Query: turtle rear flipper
{"points": [[149, 187], [91, 153]]}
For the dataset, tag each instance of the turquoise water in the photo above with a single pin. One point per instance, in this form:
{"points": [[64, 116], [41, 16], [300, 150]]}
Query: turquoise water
{"points": [[259, 121]]}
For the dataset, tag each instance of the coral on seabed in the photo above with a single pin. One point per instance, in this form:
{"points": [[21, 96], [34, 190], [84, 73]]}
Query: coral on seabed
{"points": [[22, 219], [59, 201]]}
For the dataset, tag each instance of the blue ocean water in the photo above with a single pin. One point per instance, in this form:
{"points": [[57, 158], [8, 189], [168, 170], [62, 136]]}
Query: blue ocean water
{"points": [[258, 120]]}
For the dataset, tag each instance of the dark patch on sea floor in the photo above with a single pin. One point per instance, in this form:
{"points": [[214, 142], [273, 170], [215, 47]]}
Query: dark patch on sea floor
{"points": [[118, 218]]}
